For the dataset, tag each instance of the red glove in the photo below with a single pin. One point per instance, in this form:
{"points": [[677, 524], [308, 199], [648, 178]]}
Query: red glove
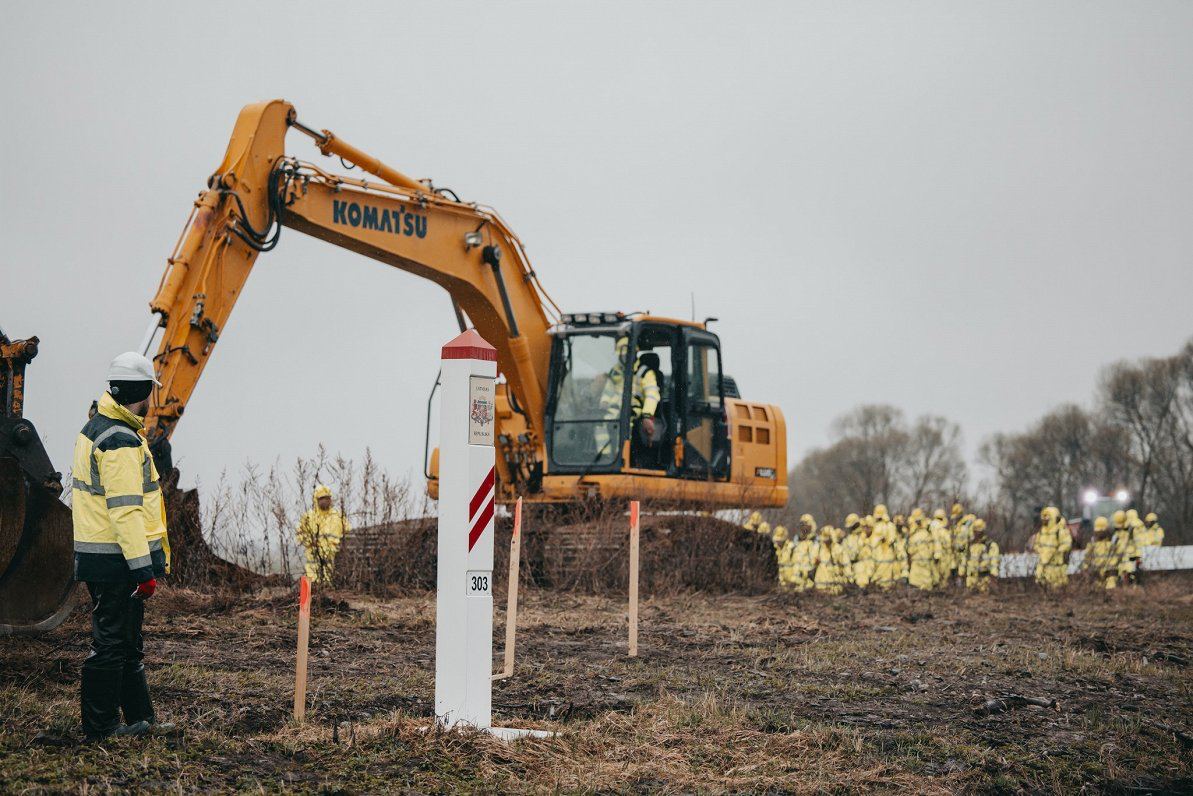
{"points": [[648, 426], [145, 590]]}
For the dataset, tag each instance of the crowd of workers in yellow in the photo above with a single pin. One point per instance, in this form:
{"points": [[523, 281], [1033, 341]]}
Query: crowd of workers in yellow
{"points": [[878, 550], [1112, 558]]}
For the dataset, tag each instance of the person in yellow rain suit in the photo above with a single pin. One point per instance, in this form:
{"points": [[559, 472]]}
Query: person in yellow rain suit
{"points": [[1123, 544], [943, 536], [1053, 542], [962, 536], [320, 532], [801, 557], [863, 562], [832, 568], [1140, 537], [1155, 533], [923, 554], [982, 558], [1101, 558], [784, 558], [853, 527], [885, 546], [753, 522]]}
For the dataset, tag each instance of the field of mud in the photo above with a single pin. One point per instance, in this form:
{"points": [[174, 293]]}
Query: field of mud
{"points": [[1012, 691]]}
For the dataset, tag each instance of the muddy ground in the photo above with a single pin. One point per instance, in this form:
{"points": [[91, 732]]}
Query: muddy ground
{"points": [[729, 693]]}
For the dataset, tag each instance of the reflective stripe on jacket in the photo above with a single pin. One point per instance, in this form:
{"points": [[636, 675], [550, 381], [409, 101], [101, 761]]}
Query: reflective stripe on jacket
{"points": [[119, 517]]}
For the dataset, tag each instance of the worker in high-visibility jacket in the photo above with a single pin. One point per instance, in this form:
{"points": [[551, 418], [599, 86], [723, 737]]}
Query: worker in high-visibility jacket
{"points": [[801, 557], [645, 395], [962, 536], [853, 536], [982, 558], [863, 558], [752, 523], [1101, 558], [1123, 544], [943, 535], [321, 531], [885, 544], [784, 558], [832, 569], [1155, 533], [923, 555], [121, 548], [1053, 543]]}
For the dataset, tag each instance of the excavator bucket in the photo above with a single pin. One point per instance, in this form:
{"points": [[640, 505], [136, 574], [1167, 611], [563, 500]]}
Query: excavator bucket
{"points": [[36, 535], [36, 555]]}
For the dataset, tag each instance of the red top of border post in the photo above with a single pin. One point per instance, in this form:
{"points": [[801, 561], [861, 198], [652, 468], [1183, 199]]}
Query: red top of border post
{"points": [[469, 345]]}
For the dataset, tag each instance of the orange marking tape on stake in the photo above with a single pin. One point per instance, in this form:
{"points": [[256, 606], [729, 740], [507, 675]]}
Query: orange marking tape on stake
{"points": [[634, 578], [304, 634]]}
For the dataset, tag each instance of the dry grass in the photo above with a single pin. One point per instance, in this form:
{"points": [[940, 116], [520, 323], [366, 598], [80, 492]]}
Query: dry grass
{"points": [[731, 693]]}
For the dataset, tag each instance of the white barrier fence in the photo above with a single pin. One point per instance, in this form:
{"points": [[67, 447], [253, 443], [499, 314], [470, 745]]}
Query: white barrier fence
{"points": [[1023, 565]]}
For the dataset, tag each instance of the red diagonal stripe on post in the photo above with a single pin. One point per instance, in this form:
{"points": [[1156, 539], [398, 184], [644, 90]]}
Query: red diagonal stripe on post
{"points": [[479, 497], [482, 522]]}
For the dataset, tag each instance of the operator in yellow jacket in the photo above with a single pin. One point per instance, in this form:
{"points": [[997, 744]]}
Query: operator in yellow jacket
{"points": [[320, 532], [120, 546], [644, 397]]}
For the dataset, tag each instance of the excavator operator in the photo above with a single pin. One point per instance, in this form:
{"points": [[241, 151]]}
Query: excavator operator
{"points": [[646, 394]]}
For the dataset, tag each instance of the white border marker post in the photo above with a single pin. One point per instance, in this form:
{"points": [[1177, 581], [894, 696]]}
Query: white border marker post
{"points": [[464, 604]]}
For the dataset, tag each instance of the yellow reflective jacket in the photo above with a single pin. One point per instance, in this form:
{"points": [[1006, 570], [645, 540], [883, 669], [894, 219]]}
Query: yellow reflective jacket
{"points": [[116, 504], [322, 531], [983, 562]]}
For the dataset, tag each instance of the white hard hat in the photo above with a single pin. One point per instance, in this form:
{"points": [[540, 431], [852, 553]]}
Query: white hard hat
{"points": [[131, 366]]}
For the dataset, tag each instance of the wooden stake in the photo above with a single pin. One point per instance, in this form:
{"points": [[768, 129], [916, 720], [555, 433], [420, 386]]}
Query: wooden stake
{"points": [[304, 635], [511, 601], [633, 579]]}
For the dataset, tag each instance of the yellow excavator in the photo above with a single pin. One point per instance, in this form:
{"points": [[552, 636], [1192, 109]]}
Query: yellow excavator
{"points": [[570, 425], [566, 424]]}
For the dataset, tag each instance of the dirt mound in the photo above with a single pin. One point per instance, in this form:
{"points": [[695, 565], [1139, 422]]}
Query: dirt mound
{"points": [[578, 551]]}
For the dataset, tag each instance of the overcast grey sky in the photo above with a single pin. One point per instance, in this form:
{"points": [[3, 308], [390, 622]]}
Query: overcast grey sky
{"points": [[963, 209]]}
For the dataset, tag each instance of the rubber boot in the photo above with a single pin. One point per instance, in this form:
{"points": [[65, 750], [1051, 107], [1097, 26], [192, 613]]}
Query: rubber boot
{"points": [[134, 697], [99, 695]]}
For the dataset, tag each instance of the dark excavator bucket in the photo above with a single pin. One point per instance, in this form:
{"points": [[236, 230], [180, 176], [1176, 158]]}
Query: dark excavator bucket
{"points": [[36, 555], [36, 535]]}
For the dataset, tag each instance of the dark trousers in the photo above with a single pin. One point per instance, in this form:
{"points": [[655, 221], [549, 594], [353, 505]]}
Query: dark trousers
{"points": [[113, 674]]}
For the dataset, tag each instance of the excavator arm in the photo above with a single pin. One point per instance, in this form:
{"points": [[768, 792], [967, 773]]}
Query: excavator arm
{"points": [[257, 189]]}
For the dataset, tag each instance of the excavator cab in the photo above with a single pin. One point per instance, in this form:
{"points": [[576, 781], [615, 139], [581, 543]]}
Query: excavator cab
{"points": [[36, 538], [641, 395]]}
